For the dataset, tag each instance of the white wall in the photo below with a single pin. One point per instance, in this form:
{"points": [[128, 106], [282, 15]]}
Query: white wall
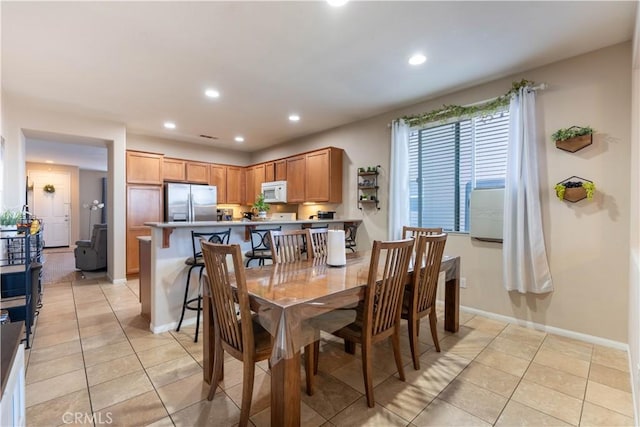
{"points": [[634, 228], [19, 116], [90, 189], [181, 150], [587, 242]]}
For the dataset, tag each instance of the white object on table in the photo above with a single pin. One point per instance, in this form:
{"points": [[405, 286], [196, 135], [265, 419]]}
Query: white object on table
{"points": [[336, 255]]}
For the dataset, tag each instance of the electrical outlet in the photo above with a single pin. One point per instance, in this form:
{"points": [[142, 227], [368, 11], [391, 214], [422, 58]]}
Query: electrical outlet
{"points": [[463, 282]]}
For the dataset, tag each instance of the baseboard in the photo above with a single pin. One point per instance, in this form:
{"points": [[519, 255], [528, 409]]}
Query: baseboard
{"points": [[633, 388], [550, 329], [118, 281], [171, 326]]}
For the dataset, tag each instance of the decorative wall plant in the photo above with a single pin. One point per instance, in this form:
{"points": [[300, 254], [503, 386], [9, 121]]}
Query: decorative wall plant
{"points": [[575, 189], [574, 138]]}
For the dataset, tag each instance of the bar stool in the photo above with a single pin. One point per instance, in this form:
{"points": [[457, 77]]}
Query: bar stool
{"points": [[260, 247], [350, 231], [196, 261]]}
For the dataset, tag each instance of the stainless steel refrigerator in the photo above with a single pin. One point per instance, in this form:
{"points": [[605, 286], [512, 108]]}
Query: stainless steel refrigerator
{"points": [[190, 202]]}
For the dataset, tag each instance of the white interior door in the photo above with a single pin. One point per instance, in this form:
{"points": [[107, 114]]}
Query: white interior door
{"points": [[53, 208]]}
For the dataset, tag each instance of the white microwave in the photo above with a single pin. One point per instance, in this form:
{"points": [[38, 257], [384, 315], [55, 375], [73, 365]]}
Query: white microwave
{"points": [[275, 191]]}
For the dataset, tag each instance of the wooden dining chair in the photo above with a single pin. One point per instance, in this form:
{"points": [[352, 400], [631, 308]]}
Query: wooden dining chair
{"points": [[236, 330], [408, 232], [420, 295], [318, 242], [287, 246], [378, 316]]}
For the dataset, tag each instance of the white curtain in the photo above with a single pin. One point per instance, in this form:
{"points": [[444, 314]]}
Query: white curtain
{"points": [[399, 179], [525, 266]]}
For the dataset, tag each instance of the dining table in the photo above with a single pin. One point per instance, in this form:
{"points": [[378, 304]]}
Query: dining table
{"points": [[290, 299]]}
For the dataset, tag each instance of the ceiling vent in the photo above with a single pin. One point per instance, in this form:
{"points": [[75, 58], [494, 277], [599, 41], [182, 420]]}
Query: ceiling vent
{"points": [[208, 137]]}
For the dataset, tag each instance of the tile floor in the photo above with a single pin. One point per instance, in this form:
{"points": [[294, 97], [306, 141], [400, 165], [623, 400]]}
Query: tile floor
{"points": [[93, 354]]}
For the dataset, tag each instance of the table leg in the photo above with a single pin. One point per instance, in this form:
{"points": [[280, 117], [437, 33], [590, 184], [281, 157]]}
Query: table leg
{"points": [[452, 299], [285, 392]]}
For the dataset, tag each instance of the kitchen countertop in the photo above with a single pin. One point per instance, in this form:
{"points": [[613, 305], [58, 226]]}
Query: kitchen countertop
{"points": [[10, 335], [246, 222]]}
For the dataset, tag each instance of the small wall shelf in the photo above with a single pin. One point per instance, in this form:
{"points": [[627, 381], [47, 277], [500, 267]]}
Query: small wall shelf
{"points": [[575, 189], [575, 144], [573, 139], [368, 187]]}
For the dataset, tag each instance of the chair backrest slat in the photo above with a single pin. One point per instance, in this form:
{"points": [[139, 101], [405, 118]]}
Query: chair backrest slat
{"points": [[317, 238], [385, 285], [287, 246], [427, 268]]}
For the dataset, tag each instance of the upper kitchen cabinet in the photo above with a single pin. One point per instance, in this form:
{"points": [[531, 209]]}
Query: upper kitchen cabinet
{"points": [[275, 171], [269, 171], [144, 168], [218, 177], [255, 176], [323, 176], [173, 169], [235, 184], [280, 170], [296, 179], [197, 172]]}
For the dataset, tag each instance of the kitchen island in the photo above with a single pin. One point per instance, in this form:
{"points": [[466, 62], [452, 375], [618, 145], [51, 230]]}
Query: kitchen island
{"points": [[171, 246]]}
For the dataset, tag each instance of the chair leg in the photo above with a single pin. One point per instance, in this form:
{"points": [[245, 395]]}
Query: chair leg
{"points": [[316, 356], [186, 296], [309, 366], [366, 373], [199, 310], [218, 359], [395, 340], [433, 319], [349, 347], [413, 341], [247, 392]]}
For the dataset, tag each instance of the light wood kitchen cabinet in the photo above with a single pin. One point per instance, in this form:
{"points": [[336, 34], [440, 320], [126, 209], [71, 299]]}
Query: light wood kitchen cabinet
{"points": [[218, 177], [249, 193], [173, 170], [269, 171], [255, 176], [197, 172], [235, 184], [280, 167], [144, 204], [275, 171], [323, 176], [296, 170], [144, 168]]}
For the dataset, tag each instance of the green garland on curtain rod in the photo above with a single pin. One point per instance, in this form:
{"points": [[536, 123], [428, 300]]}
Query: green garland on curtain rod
{"points": [[447, 112]]}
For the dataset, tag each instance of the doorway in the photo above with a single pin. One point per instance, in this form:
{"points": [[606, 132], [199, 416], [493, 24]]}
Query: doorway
{"points": [[51, 202]]}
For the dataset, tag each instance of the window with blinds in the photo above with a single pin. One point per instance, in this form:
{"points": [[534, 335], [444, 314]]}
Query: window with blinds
{"points": [[447, 161]]}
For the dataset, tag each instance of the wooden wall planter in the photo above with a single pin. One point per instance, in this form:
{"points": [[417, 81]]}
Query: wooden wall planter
{"points": [[574, 144], [575, 194]]}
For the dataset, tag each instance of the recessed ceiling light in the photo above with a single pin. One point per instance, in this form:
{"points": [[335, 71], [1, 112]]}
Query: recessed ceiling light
{"points": [[48, 161], [239, 139], [294, 118], [337, 3], [417, 59], [169, 125], [212, 93]]}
